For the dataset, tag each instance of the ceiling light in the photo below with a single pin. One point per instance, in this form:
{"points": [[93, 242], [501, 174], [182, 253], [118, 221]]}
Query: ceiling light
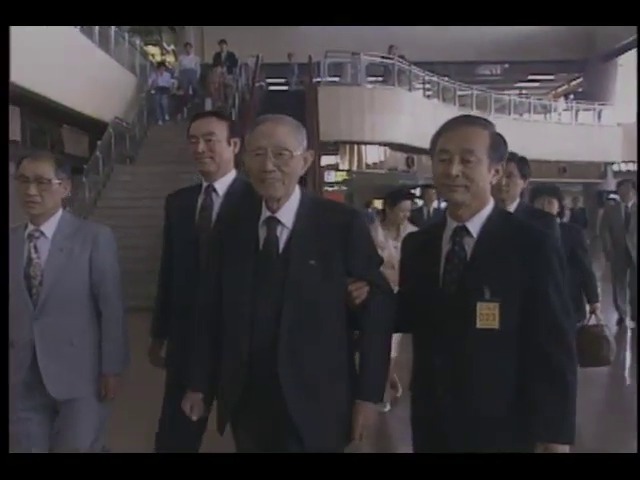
{"points": [[527, 84], [541, 77]]}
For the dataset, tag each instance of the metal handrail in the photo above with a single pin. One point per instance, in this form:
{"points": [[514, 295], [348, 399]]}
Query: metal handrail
{"points": [[122, 47], [402, 74], [122, 139]]}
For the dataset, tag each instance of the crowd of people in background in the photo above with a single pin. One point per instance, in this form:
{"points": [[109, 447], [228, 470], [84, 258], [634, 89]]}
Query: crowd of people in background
{"points": [[175, 90]]}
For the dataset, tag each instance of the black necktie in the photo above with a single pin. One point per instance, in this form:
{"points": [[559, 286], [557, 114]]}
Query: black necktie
{"points": [[627, 217], [455, 260], [205, 214], [271, 244], [204, 220]]}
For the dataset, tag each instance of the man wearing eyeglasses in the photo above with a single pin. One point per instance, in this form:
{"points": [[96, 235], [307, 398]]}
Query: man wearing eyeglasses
{"points": [[288, 381], [67, 335]]}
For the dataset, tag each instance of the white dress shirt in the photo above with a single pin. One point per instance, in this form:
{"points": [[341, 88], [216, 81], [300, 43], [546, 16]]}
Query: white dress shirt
{"points": [[474, 225], [220, 189], [189, 62], [512, 208], [286, 215], [48, 228]]}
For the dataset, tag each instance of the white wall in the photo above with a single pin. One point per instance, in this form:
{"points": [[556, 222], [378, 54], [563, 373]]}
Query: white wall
{"points": [[418, 43], [392, 115], [60, 63]]}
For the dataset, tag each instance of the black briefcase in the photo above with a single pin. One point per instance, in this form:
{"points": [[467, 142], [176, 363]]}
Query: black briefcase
{"points": [[595, 344]]}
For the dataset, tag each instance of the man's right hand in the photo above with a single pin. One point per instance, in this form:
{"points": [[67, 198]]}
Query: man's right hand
{"points": [[193, 405], [156, 353]]}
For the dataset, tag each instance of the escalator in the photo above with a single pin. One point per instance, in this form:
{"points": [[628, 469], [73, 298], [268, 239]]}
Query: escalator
{"points": [[284, 102]]}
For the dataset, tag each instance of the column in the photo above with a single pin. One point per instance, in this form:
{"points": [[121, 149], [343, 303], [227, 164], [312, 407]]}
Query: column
{"points": [[600, 81]]}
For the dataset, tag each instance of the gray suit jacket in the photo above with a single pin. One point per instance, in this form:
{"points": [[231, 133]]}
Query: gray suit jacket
{"points": [[78, 327], [615, 240]]}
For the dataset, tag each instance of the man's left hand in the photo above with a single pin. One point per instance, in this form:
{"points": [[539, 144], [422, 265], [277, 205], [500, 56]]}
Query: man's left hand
{"points": [[109, 387], [551, 448], [358, 291], [364, 414]]}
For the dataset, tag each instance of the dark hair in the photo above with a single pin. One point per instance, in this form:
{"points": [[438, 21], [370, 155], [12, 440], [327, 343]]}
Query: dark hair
{"points": [[161, 65], [396, 197], [548, 190], [626, 181], [233, 128], [223, 41], [522, 164], [188, 44], [498, 146], [61, 166], [428, 186]]}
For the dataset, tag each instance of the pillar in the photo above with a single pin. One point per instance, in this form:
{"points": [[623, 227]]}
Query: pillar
{"points": [[600, 81]]}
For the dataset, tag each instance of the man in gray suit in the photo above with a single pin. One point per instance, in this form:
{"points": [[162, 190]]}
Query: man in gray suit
{"points": [[67, 336], [619, 235]]}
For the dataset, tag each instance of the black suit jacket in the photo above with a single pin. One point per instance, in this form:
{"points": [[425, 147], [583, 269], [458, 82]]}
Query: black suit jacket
{"points": [[230, 62], [329, 244], [489, 390], [419, 219], [582, 284], [578, 216], [180, 266], [539, 218]]}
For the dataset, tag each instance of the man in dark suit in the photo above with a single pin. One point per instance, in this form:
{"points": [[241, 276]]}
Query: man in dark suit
{"points": [[429, 211], [582, 283], [509, 190], [494, 366], [194, 217], [288, 379], [225, 58]]}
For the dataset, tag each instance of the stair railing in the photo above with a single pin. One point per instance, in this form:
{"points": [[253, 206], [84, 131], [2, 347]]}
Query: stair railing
{"points": [[119, 145], [123, 48], [122, 139]]}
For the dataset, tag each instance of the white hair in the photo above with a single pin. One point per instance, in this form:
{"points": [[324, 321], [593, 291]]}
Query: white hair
{"points": [[296, 127]]}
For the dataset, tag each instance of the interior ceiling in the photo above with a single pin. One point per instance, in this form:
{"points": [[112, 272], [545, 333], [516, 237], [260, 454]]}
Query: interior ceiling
{"points": [[530, 78]]}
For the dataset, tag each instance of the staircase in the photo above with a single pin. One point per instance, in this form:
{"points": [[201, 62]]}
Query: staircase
{"points": [[132, 204]]}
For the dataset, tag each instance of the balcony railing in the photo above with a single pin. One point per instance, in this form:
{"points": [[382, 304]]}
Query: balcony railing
{"points": [[124, 49], [374, 69]]}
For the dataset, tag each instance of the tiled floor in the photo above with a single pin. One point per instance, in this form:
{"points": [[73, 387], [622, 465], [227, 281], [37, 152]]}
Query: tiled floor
{"points": [[607, 402]]}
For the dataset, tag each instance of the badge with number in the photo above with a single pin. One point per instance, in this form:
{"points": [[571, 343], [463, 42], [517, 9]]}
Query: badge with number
{"points": [[488, 315]]}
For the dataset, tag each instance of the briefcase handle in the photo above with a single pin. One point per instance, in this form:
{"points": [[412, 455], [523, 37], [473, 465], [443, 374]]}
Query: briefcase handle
{"points": [[596, 317]]}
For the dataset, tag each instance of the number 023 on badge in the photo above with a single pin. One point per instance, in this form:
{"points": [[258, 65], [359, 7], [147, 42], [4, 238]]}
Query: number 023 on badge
{"points": [[488, 315]]}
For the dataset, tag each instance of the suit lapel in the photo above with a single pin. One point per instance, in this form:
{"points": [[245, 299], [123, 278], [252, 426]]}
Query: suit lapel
{"points": [[240, 244], [58, 253], [188, 213], [17, 251], [229, 205], [302, 250]]}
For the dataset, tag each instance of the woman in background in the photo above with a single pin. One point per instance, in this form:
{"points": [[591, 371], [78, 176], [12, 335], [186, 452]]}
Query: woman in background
{"points": [[388, 234], [582, 282]]}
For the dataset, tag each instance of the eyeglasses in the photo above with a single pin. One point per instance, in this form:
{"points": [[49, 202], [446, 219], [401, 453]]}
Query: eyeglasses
{"points": [[41, 184], [279, 156]]}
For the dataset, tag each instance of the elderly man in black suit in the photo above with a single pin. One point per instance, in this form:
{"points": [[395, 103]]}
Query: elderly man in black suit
{"points": [[494, 366], [288, 380]]}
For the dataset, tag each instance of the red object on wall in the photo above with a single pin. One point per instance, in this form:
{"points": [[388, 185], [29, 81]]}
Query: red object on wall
{"points": [[335, 195]]}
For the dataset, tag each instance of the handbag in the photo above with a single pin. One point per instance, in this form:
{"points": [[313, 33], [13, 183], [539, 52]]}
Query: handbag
{"points": [[595, 344]]}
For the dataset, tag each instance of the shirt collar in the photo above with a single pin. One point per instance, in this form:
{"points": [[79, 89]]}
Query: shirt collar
{"points": [[512, 208], [222, 184], [48, 228], [475, 223], [287, 213]]}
